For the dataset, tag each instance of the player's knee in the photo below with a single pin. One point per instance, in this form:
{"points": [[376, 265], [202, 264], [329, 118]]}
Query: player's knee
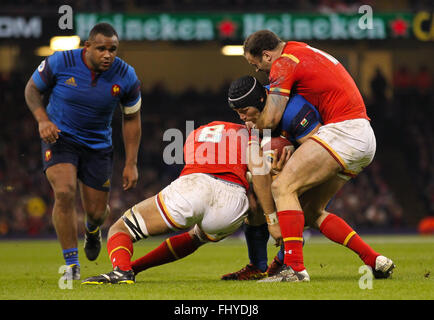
{"points": [[133, 224], [281, 187], [65, 196], [198, 235], [118, 226]]}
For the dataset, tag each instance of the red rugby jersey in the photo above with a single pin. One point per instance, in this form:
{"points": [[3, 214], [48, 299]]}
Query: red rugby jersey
{"points": [[220, 149], [320, 79]]}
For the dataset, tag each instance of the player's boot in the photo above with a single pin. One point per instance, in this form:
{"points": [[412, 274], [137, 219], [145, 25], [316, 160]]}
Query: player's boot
{"points": [[287, 274], [275, 267], [72, 272], [117, 276], [249, 272], [92, 244], [383, 267]]}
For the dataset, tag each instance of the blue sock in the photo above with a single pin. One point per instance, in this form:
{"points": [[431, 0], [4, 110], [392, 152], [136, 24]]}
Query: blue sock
{"points": [[281, 254], [257, 239], [71, 256]]}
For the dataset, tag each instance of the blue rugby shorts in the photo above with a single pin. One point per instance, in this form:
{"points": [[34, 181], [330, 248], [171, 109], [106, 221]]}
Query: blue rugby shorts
{"points": [[94, 167]]}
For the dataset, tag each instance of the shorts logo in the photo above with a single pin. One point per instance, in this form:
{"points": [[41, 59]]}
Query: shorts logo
{"points": [[48, 155], [116, 90], [304, 122], [106, 184]]}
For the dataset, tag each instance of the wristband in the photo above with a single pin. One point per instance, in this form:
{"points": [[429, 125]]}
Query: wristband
{"points": [[271, 218]]}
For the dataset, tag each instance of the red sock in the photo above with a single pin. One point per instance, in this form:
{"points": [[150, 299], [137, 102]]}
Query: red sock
{"points": [[120, 250], [292, 225], [337, 230], [171, 249]]}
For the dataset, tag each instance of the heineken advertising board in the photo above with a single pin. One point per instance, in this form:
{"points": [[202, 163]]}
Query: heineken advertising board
{"points": [[294, 26]]}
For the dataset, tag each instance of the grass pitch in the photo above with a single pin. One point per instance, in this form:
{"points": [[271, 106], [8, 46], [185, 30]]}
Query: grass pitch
{"points": [[29, 271]]}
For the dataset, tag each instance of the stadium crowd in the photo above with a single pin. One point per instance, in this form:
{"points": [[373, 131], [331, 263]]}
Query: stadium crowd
{"points": [[368, 201]]}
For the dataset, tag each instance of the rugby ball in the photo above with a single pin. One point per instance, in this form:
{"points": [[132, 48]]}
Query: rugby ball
{"points": [[269, 144]]}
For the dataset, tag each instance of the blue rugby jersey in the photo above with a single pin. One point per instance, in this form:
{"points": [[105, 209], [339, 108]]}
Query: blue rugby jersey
{"points": [[82, 102], [299, 118]]}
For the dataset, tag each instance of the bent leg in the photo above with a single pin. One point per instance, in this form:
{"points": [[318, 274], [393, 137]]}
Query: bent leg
{"points": [[63, 181], [171, 249], [139, 222], [309, 166], [95, 206], [333, 227]]}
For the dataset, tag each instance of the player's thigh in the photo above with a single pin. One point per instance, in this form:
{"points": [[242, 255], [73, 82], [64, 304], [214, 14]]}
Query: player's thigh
{"points": [[94, 201], [140, 221], [309, 166], [151, 216], [315, 200], [63, 180], [60, 161]]}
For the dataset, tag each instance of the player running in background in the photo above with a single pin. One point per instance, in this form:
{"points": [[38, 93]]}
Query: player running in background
{"points": [[210, 195], [338, 151], [300, 120], [86, 86]]}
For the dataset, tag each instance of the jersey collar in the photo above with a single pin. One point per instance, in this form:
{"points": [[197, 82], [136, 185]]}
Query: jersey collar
{"points": [[94, 75]]}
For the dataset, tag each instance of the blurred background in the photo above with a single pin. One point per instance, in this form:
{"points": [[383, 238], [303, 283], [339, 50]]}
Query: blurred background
{"points": [[176, 48]]}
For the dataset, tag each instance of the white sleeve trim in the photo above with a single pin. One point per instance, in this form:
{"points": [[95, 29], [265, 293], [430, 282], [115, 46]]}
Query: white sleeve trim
{"points": [[132, 109]]}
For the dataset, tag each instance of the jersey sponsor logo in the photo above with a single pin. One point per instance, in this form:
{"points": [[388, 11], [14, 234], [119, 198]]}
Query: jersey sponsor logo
{"points": [[71, 82], [47, 155], [116, 90]]}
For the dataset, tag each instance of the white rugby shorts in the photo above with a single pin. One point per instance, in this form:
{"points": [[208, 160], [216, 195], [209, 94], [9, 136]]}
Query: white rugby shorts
{"points": [[216, 206], [352, 143]]}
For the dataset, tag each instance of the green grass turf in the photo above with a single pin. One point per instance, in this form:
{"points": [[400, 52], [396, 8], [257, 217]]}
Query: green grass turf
{"points": [[29, 270]]}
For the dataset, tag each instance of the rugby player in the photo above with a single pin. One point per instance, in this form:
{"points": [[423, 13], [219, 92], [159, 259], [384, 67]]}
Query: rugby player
{"points": [[209, 198], [338, 151], [85, 86], [300, 120]]}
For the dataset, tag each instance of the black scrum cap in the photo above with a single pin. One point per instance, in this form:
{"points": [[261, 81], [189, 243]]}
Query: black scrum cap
{"points": [[247, 91]]}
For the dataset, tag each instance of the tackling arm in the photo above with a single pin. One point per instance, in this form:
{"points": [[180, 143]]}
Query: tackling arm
{"points": [[273, 112]]}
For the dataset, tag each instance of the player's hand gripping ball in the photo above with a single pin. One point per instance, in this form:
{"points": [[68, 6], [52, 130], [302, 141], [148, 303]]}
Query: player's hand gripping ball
{"points": [[270, 144]]}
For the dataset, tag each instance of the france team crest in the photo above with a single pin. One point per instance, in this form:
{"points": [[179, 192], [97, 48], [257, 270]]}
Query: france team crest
{"points": [[116, 90]]}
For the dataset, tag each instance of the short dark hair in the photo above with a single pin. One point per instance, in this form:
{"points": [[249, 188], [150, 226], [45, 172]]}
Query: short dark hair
{"points": [[103, 28], [247, 91], [259, 41]]}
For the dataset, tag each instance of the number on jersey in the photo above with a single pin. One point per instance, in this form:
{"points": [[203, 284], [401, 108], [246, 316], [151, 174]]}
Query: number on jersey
{"points": [[211, 134], [324, 54]]}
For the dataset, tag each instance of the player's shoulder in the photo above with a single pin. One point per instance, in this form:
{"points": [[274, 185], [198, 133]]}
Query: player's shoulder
{"points": [[293, 53], [64, 60], [289, 57], [123, 70]]}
